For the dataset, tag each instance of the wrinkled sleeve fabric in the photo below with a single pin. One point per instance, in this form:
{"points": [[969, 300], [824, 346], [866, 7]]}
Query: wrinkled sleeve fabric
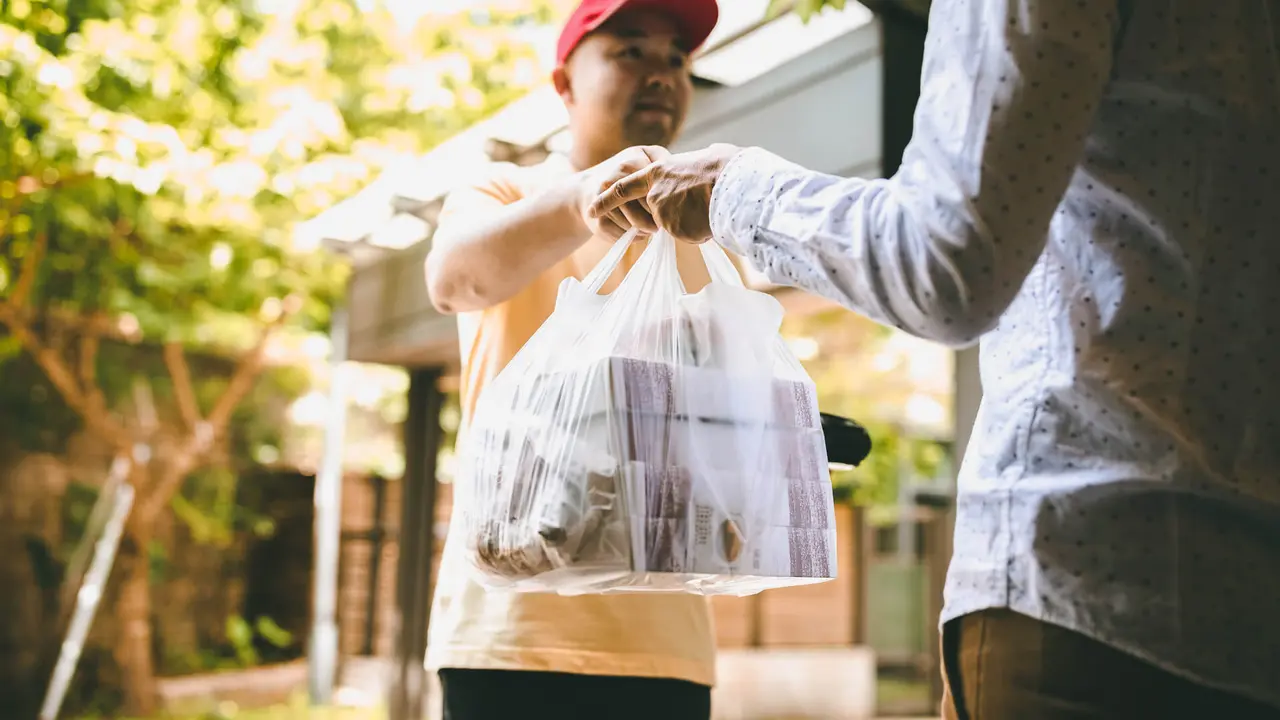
{"points": [[475, 201], [1009, 92]]}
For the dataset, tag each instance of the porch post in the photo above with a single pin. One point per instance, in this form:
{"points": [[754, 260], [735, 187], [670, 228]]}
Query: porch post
{"points": [[322, 649], [422, 435]]}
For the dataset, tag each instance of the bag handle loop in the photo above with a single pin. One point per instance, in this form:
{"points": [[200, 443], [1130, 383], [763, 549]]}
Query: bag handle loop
{"points": [[719, 267], [603, 270]]}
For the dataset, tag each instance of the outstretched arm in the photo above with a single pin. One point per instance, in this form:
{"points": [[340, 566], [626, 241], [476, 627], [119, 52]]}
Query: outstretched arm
{"points": [[487, 247], [1009, 92], [486, 250]]}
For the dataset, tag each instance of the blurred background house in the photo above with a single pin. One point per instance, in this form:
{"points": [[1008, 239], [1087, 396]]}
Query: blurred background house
{"points": [[296, 556]]}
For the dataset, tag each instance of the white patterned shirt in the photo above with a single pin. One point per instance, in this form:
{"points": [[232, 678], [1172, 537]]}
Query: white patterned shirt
{"points": [[1093, 189]]}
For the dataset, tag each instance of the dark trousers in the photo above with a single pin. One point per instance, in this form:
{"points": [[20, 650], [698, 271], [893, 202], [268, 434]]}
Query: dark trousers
{"points": [[999, 665], [501, 694]]}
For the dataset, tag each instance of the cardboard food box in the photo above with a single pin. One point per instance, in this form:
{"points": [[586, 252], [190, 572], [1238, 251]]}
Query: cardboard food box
{"points": [[645, 475]]}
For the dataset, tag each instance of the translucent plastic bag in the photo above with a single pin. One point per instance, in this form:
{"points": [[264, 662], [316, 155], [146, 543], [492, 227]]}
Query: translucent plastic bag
{"points": [[650, 440]]}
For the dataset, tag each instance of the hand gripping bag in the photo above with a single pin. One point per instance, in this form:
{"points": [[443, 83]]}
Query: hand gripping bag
{"points": [[649, 440]]}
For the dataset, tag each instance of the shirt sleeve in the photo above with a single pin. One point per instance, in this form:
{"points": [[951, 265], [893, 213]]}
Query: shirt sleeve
{"points": [[475, 201], [1009, 91]]}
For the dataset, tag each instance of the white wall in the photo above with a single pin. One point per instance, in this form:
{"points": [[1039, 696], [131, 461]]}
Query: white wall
{"points": [[821, 110]]}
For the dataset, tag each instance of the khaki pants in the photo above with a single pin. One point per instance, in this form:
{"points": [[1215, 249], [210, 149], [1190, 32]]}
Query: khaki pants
{"points": [[999, 665]]}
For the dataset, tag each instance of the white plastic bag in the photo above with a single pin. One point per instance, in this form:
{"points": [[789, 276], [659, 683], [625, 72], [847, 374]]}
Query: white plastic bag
{"points": [[650, 440]]}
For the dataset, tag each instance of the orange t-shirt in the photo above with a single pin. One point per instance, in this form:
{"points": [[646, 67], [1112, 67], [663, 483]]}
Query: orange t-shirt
{"points": [[664, 635]]}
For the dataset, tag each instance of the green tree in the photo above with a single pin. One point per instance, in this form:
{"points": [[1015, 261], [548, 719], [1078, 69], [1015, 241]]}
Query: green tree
{"points": [[154, 155], [860, 373]]}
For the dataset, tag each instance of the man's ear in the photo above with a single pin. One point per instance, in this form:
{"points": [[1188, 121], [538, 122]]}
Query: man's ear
{"points": [[560, 77]]}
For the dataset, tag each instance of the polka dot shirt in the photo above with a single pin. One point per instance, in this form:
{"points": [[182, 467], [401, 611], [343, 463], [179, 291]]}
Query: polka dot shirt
{"points": [[1093, 190]]}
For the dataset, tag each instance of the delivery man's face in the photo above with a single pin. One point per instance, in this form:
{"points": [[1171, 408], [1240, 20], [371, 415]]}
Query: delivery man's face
{"points": [[628, 83]]}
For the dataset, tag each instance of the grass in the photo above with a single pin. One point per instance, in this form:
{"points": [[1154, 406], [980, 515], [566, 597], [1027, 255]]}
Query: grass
{"points": [[902, 696], [297, 709]]}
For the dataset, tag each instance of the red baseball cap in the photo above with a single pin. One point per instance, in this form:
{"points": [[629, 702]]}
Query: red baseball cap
{"points": [[695, 18]]}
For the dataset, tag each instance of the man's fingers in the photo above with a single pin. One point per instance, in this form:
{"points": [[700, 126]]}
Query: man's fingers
{"points": [[632, 187], [611, 229], [655, 152], [617, 218], [638, 217]]}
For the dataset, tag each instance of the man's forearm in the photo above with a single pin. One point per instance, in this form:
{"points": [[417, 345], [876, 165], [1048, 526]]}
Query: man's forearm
{"points": [[488, 261], [856, 243], [942, 248]]}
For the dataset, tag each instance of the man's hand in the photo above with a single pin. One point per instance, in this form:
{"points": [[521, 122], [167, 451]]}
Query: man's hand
{"points": [[675, 190], [620, 218]]}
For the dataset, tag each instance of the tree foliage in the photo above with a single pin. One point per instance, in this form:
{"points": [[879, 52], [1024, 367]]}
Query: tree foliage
{"points": [[154, 156], [164, 148], [876, 376]]}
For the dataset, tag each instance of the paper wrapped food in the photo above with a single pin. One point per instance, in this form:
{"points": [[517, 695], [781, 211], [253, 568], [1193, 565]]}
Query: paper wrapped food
{"points": [[650, 440]]}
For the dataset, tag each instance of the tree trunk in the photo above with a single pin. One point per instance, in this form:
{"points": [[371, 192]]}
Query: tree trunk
{"points": [[133, 652]]}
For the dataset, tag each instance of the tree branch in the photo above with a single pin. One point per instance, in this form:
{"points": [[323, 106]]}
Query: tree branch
{"points": [[88, 362], [175, 359], [55, 368], [30, 270], [242, 380], [214, 426], [13, 313], [67, 321]]}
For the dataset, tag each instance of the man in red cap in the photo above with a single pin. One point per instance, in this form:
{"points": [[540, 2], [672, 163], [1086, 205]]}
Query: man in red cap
{"points": [[503, 246]]}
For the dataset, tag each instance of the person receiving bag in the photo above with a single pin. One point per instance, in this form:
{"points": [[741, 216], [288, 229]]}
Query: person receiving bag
{"points": [[506, 242]]}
